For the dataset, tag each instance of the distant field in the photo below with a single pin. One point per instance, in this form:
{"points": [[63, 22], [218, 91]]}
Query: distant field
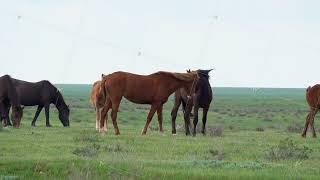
{"points": [[259, 139]]}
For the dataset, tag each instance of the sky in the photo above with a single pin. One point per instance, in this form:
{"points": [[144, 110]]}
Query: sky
{"points": [[249, 43]]}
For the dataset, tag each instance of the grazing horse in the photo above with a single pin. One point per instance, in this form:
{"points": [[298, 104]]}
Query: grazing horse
{"points": [[97, 100], [8, 95], [42, 94], [201, 98], [313, 99], [153, 89]]}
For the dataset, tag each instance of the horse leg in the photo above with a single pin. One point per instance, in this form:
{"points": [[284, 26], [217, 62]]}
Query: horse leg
{"points": [[186, 116], [204, 120], [149, 118], [8, 118], [174, 112], [98, 113], [160, 118], [46, 108], [33, 123], [195, 119], [104, 115], [312, 124], [114, 113]]}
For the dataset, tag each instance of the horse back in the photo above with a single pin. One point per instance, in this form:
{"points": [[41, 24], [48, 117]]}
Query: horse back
{"points": [[35, 93], [313, 96], [136, 88]]}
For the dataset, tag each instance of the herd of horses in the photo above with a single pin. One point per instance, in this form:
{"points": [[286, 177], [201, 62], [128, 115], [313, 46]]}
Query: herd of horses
{"points": [[191, 89]]}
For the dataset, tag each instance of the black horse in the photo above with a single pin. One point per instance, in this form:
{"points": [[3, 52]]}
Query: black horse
{"points": [[42, 94], [201, 98], [8, 95]]}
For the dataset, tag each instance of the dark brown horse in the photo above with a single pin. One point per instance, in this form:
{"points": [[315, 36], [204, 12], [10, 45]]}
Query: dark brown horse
{"points": [[313, 99], [42, 94], [153, 89], [201, 98], [8, 96], [97, 100]]}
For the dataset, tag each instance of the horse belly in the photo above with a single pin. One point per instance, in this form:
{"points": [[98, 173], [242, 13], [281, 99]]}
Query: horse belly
{"points": [[139, 100]]}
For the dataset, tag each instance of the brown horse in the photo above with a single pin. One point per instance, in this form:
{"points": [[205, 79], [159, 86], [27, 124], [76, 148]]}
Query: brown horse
{"points": [[97, 100], [313, 99], [153, 89], [8, 97]]}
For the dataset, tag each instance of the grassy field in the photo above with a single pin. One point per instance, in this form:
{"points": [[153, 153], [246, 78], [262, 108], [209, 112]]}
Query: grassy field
{"points": [[251, 134]]}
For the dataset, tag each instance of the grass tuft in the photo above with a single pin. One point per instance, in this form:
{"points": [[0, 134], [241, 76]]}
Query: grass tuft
{"points": [[288, 149]]}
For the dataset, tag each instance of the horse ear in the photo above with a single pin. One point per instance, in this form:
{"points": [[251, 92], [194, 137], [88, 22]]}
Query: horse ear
{"points": [[22, 107], [188, 70]]}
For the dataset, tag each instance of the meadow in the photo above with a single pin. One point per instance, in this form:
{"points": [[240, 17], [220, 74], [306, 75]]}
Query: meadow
{"points": [[251, 134]]}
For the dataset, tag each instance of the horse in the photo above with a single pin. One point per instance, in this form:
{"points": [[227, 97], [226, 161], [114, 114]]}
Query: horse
{"points": [[201, 98], [97, 100], [8, 95], [313, 100], [153, 89], [42, 94]]}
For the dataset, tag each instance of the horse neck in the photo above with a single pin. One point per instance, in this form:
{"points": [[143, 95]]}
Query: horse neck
{"points": [[177, 84], [59, 101]]}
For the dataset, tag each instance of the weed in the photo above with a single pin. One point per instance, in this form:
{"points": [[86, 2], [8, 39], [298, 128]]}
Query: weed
{"points": [[88, 151], [260, 129], [216, 130], [287, 149]]}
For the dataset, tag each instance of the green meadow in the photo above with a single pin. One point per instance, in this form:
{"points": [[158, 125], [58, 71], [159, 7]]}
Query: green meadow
{"points": [[251, 134]]}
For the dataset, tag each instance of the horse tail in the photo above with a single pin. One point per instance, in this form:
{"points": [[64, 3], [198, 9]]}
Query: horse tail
{"points": [[92, 93], [12, 92]]}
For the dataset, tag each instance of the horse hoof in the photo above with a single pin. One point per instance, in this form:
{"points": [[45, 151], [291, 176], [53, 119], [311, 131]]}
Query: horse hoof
{"points": [[303, 135], [48, 125], [174, 134], [314, 136]]}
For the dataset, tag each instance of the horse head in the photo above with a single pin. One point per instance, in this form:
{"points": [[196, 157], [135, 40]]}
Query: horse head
{"points": [[64, 113]]}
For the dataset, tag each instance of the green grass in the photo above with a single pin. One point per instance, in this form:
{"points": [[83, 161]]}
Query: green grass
{"points": [[79, 152]]}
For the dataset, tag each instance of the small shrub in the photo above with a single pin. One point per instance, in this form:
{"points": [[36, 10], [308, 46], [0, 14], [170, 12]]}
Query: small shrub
{"points": [[153, 128], [216, 131], [216, 154], [40, 167], [260, 129], [295, 128], [287, 149], [88, 138], [84, 173], [114, 148], [231, 127], [88, 151]]}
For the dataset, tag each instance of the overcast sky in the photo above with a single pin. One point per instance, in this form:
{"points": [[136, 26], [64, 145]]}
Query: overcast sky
{"points": [[250, 43]]}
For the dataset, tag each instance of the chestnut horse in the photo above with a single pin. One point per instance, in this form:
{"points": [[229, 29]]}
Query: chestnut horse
{"points": [[153, 89], [97, 100], [313, 99], [201, 98]]}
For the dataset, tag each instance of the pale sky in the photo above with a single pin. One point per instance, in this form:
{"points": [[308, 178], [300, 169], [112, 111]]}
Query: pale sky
{"points": [[250, 43]]}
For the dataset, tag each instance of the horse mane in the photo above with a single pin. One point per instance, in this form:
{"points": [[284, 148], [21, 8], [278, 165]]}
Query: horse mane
{"points": [[181, 76]]}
